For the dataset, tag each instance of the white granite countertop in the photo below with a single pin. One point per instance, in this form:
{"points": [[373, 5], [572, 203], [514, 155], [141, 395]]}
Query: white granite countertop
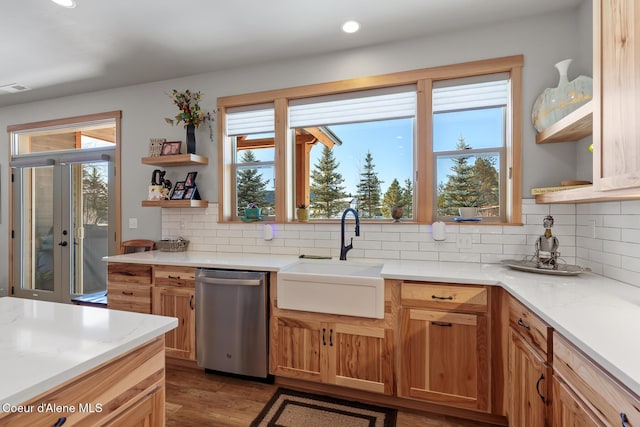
{"points": [[44, 344], [601, 316]]}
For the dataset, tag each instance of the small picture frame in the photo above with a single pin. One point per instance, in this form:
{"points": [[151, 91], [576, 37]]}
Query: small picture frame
{"points": [[178, 191], [170, 148], [155, 146], [189, 193], [190, 181]]}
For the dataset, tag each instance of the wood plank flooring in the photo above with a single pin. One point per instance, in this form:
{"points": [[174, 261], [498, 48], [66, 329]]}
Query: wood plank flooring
{"points": [[195, 398]]}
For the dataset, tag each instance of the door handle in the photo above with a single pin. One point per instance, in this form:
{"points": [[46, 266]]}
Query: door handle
{"points": [[63, 243], [538, 388]]}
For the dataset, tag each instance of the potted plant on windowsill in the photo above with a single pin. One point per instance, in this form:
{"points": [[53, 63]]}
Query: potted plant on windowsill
{"points": [[252, 211], [302, 213]]}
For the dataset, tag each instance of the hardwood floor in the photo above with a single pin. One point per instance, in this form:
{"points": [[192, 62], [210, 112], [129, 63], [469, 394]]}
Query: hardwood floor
{"points": [[194, 398]]}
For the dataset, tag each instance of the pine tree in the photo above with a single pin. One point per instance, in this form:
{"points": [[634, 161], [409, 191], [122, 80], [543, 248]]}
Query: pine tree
{"points": [[251, 187], [369, 190], [462, 187], [326, 187], [488, 178], [95, 203], [407, 198], [392, 197]]}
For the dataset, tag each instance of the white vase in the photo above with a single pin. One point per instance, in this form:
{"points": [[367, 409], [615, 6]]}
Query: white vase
{"points": [[555, 103]]}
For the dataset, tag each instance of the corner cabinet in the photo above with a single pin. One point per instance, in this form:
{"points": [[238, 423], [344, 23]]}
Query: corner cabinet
{"points": [[176, 160], [445, 344], [529, 373]]}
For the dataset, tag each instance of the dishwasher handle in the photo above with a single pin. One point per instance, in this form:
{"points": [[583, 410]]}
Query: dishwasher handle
{"points": [[228, 281]]}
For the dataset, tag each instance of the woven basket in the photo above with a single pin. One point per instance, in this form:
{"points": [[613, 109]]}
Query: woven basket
{"points": [[172, 245]]}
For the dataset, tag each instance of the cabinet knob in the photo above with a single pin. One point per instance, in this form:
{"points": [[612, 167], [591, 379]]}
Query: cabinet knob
{"points": [[524, 325]]}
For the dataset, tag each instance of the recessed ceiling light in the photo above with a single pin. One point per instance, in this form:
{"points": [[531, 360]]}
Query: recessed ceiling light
{"points": [[350, 27], [65, 3]]}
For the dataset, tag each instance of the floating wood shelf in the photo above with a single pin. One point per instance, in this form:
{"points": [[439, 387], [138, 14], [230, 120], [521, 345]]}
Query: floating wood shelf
{"points": [[176, 160], [175, 203], [573, 127]]}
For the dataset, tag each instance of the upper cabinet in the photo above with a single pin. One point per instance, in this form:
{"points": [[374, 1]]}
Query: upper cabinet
{"points": [[617, 83], [615, 105]]}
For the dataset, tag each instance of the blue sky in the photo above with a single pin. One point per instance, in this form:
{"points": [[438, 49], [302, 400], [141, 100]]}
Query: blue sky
{"points": [[390, 143]]}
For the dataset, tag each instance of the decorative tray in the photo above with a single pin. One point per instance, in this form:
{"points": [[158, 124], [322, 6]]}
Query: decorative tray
{"points": [[530, 266]]}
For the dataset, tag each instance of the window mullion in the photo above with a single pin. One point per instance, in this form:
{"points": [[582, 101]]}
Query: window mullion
{"points": [[283, 166], [424, 191]]}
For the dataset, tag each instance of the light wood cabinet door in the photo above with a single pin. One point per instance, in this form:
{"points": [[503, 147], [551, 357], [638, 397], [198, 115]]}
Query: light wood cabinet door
{"points": [[445, 358], [528, 384], [296, 347], [617, 94], [178, 302], [360, 357], [567, 408], [349, 355]]}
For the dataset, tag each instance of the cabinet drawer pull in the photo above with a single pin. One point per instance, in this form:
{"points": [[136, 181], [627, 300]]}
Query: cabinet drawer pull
{"points": [[625, 420], [324, 342], [442, 324], [191, 303], [330, 337], [60, 421], [538, 388], [173, 277], [128, 293], [127, 273], [524, 325], [442, 298]]}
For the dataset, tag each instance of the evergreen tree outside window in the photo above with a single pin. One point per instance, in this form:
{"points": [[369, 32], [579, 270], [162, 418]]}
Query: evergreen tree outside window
{"points": [[369, 190], [251, 185], [327, 191]]}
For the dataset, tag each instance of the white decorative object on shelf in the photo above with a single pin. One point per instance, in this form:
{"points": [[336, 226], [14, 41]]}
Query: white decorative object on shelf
{"points": [[555, 103]]}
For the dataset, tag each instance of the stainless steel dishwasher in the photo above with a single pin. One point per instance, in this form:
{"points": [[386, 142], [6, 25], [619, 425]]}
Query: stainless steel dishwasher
{"points": [[232, 322]]}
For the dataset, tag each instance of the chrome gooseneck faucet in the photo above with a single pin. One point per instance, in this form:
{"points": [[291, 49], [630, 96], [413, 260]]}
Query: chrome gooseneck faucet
{"points": [[344, 249]]}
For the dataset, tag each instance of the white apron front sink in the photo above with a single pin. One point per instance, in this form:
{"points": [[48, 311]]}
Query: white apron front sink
{"points": [[334, 287]]}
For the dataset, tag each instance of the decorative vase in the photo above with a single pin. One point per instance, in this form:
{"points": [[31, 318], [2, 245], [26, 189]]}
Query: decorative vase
{"points": [[396, 213], [555, 103], [191, 139], [303, 215]]}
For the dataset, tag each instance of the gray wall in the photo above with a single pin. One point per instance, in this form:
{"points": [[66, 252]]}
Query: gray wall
{"points": [[544, 40]]}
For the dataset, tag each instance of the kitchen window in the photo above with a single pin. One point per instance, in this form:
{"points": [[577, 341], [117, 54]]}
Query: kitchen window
{"points": [[470, 134], [373, 142]]}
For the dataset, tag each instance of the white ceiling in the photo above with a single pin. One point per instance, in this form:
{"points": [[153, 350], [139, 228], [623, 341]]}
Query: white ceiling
{"points": [[103, 44]]}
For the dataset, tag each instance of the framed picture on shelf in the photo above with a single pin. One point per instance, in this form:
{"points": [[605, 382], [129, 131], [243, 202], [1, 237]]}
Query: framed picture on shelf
{"points": [[155, 146], [170, 148], [189, 192], [178, 191], [190, 181]]}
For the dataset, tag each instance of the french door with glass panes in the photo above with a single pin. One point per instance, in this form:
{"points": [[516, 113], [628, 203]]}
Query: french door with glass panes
{"points": [[60, 229]]}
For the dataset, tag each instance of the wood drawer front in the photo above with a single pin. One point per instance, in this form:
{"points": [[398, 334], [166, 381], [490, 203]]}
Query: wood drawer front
{"points": [[183, 277], [599, 391], [129, 297], [535, 331], [444, 296], [129, 273]]}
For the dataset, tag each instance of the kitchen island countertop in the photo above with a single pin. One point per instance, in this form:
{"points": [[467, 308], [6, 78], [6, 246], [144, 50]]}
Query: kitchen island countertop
{"points": [[45, 344]]}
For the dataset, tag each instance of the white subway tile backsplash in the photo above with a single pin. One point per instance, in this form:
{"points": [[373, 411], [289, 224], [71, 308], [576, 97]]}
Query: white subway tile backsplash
{"points": [[613, 251]]}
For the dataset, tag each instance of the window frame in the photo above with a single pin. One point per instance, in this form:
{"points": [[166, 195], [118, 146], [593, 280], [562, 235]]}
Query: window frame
{"points": [[424, 179]]}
